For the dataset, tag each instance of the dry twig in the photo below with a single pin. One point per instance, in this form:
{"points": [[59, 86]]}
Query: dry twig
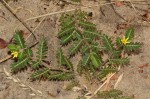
{"points": [[11, 11], [64, 11], [38, 24], [6, 58], [118, 81], [22, 85]]}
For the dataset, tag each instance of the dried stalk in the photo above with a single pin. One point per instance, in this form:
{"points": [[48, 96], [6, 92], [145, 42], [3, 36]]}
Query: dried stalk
{"points": [[64, 11], [6, 58]]}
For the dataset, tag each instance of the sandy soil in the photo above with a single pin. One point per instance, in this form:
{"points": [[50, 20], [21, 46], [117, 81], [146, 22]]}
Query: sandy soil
{"points": [[134, 83]]}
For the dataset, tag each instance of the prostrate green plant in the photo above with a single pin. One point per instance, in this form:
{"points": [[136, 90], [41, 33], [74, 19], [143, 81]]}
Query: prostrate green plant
{"points": [[64, 61], [127, 42], [82, 37], [25, 58], [41, 53], [21, 51]]}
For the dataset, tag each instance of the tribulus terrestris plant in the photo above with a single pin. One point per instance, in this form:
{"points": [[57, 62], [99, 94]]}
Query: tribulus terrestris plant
{"points": [[82, 37], [25, 58]]}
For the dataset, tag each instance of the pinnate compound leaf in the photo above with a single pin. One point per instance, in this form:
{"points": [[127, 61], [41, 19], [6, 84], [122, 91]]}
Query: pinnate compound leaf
{"points": [[77, 35], [75, 47], [13, 47], [116, 54], [84, 50], [42, 49], [129, 33], [87, 25], [119, 61], [86, 59], [92, 33], [35, 64], [110, 94], [41, 73], [61, 76], [19, 65], [66, 21], [68, 63], [63, 60], [76, 0], [41, 53], [132, 47], [108, 43], [81, 15], [29, 52], [118, 41], [96, 60], [60, 57], [105, 71], [66, 39], [21, 55], [19, 40], [95, 47], [66, 31]]}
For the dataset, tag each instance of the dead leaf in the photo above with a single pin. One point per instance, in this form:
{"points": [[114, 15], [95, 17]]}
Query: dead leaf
{"points": [[3, 43], [144, 65], [50, 94], [114, 77], [39, 91], [145, 16], [75, 89], [24, 33], [32, 94], [119, 3], [140, 70], [122, 26], [6, 72], [108, 86], [118, 81], [15, 80], [23, 85]]}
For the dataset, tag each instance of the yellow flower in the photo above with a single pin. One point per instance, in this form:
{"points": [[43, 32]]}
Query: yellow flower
{"points": [[14, 54], [125, 40]]}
